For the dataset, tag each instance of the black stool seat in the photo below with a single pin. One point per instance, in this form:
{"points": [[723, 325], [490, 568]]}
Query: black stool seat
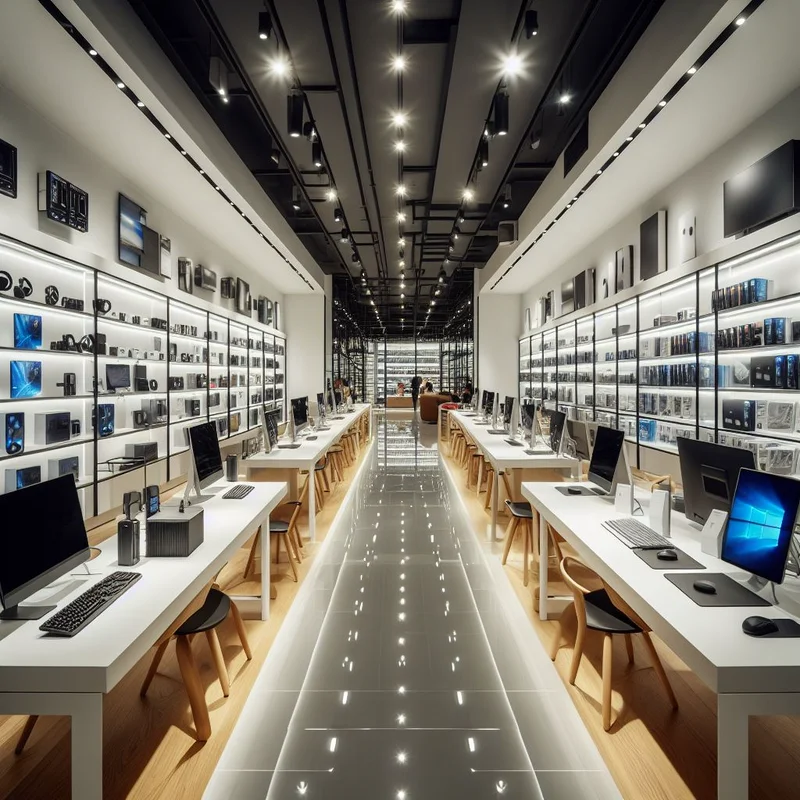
{"points": [[602, 615], [278, 526], [319, 466], [522, 510], [212, 613]]}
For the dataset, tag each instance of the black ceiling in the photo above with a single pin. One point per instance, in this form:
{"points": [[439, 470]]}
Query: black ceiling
{"points": [[340, 55]]}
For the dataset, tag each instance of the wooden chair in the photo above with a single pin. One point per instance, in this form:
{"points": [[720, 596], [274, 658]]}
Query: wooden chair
{"points": [[335, 455], [522, 515], [602, 610], [285, 530], [214, 610]]}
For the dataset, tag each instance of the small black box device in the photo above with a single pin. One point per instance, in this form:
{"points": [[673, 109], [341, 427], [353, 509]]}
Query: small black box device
{"points": [[21, 478], [762, 372], [146, 450], [174, 533], [51, 428], [128, 542], [56, 467], [738, 415]]}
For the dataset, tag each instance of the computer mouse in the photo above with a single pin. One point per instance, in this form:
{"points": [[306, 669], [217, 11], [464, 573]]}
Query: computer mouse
{"points": [[706, 587], [573, 490], [667, 555], [759, 626]]}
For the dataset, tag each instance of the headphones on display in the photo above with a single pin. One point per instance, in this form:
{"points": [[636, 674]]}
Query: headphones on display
{"points": [[51, 295], [86, 344], [24, 289], [5, 280], [153, 385]]}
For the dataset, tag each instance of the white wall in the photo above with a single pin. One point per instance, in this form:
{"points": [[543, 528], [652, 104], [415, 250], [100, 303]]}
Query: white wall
{"points": [[497, 343], [305, 318], [698, 192], [41, 146]]}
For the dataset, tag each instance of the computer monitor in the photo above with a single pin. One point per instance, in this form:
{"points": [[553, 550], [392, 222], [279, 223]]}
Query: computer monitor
{"points": [[206, 456], [338, 397], [603, 468], [300, 413], [488, 402], [476, 396], [508, 408], [118, 376], [558, 422], [709, 473], [38, 546], [761, 523], [269, 427], [526, 414], [579, 434]]}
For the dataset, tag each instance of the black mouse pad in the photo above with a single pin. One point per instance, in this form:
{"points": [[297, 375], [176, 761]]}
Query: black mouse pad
{"points": [[729, 593], [585, 491], [650, 557]]}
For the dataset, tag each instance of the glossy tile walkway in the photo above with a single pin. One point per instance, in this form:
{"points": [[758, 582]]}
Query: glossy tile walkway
{"points": [[400, 674]]}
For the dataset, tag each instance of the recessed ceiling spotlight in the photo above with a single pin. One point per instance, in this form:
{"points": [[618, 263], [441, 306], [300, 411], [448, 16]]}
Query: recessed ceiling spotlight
{"points": [[399, 119], [140, 104], [642, 126], [629, 139], [402, 296], [565, 98], [93, 52], [399, 63], [691, 71], [662, 103], [167, 136], [616, 155], [599, 172], [401, 217], [398, 6], [279, 66], [468, 195], [120, 85], [316, 154], [331, 195], [402, 264], [401, 242], [741, 21], [400, 190], [264, 24], [400, 146]]}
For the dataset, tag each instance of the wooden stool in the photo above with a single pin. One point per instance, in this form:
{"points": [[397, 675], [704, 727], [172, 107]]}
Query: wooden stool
{"points": [[521, 514], [336, 456]]}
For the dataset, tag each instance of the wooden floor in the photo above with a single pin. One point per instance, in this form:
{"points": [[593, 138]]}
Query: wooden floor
{"points": [[653, 753], [150, 749]]}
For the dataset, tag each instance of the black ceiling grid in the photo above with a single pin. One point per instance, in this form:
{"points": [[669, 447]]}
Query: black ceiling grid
{"points": [[105, 67], [706, 56]]}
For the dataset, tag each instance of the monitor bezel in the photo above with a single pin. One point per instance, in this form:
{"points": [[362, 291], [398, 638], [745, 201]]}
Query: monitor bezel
{"points": [[217, 474], [595, 477]]}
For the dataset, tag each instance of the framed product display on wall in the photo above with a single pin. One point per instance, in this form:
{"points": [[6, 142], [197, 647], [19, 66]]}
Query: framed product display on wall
{"points": [[653, 245], [132, 219]]}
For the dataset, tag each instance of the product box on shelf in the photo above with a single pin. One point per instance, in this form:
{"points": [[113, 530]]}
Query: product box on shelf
{"points": [[738, 415]]}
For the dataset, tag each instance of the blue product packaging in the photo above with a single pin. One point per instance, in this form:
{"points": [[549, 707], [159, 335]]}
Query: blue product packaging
{"points": [[779, 372], [758, 289], [769, 331], [791, 371], [780, 330], [647, 430]]}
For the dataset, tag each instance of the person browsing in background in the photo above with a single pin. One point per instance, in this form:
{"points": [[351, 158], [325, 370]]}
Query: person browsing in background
{"points": [[429, 387], [415, 384], [466, 394]]}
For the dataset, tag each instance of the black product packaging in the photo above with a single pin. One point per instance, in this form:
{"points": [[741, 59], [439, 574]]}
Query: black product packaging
{"points": [[738, 415], [796, 331], [762, 372], [791, 371], [769, 331], [780, 330], [128, 542], [779, 372]]}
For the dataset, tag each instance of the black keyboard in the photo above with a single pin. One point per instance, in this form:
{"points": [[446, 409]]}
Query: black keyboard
{"points": [[514, 442], [75, 616], [633, 533], [238, 492]]}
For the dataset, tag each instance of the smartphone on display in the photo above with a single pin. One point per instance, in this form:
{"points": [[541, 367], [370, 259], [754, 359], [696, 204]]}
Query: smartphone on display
{"points": [[15, 433], [26, 379]]}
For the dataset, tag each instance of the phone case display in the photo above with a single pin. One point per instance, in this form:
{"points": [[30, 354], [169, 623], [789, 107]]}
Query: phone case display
{"points": [[238, 391], [100, 377], [714, 355], [400, 361]]}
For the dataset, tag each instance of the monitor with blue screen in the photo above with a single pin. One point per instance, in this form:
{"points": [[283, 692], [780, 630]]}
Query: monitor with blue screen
{"points": [[761, 522]]}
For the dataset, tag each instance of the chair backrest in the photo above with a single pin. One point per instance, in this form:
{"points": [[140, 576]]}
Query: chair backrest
{"points": [[577, 589], [507, 487]]}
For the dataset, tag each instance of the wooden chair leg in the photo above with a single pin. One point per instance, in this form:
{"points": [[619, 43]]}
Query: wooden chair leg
{"points": [[510, 534], [607, 665], [251, 559], [489, 486], [556, 646], [288, 544], [629, 647], [479, 483], [194, 689], [577, 652], [526, 550], [325, 481], [30, 724], [151, 672], [219, 661], [659, 668], [240, 629]]}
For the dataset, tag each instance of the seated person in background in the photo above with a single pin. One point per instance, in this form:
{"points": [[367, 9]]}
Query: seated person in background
{"points": [[401, 388], [466, 395], [429, 387]]}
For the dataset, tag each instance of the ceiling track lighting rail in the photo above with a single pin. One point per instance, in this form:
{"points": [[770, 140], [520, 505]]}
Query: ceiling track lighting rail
{"points": [[102, 64], [707, 54]]}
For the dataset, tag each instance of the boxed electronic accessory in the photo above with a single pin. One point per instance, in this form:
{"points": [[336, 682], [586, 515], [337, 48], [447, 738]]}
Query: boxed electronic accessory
{"points": [[664, 319], [51, 428], [792, 371], [780, 416], [762, 372], [142, 450], [780, 372], [738, 415], [56, 467], [780, 459], [173, 533], [21, 478]]}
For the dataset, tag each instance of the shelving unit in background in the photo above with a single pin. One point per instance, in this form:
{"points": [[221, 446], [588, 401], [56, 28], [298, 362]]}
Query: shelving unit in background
{"points": [[679, 360], [157, 338]]}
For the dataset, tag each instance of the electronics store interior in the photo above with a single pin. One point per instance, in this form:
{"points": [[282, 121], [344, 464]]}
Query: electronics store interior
{"points": [[400, 398]]}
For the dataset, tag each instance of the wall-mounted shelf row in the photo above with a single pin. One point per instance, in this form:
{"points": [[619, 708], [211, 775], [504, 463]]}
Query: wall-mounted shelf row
{"points": [[97, 372], [714, 355]]}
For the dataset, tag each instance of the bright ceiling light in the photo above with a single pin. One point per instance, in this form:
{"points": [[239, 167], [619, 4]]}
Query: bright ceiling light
{"points": [[642, 126], [401, 217], [565, 98], [402, 757], [140, 104], [400, 190], [331, 194], [401, 242], [120, 85], [512, 64], [398, 6], [691, 71], [662, 103], [399, 119], [93, 52], [741, 21], [264, 24], [279, 66], [468, 195], [399, 63], [400, 146]]}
